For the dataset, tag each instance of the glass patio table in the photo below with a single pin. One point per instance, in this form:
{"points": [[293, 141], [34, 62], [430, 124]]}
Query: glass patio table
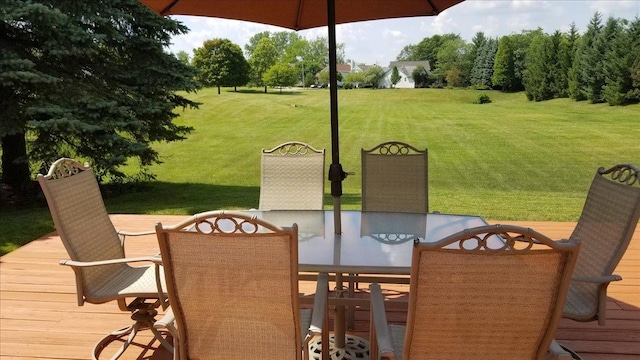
{"points": [[370, 243], [378, 243]]}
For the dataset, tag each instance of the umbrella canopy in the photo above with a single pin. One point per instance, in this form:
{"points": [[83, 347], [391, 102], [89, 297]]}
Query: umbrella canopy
{"points": [[306, 14], [300, 14]]}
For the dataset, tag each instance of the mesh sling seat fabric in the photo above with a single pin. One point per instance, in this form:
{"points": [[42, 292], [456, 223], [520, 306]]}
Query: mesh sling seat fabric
{"points": [[470, 301], [97, 255], [605, 227], [232, 282], [292, 177], [394, 178]]}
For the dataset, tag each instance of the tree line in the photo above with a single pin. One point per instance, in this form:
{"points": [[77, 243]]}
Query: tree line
{"points": [[601, 65], [271, 59]]}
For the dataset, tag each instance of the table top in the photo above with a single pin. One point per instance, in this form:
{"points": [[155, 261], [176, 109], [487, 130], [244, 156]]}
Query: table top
{"points": [[371, 242]]}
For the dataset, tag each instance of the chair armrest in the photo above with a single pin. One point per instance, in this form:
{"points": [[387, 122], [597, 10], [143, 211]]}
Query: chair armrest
{"points": [[320, 304], [380, 327], [167, 320], [73, 263], [597, 279], [124, 233], [557, 352]]}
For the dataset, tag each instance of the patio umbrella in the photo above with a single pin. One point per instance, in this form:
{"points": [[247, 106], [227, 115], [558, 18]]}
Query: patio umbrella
{"points": [[306, 14]]}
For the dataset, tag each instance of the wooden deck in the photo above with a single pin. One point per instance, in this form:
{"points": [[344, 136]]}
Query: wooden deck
{"points": [[39, 318]]}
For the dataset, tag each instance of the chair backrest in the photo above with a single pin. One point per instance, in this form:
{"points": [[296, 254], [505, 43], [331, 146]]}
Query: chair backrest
{"points": [[394, 178], [232, 281], [82, 221], [605, 227], [470, 301], [292, 177]]}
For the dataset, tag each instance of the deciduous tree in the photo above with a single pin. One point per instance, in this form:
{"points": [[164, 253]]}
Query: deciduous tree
{"points": [[280, 75], [356, 78], [372, 75], [220, 63], [262, 59], [419, 75]]}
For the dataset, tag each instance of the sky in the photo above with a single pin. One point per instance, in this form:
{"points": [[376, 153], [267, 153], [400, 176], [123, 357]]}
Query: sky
{"points": [[379, 42]]}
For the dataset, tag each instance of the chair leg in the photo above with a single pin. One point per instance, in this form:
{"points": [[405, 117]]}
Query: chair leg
{"points": [[353, 284], [132, 331], [144, 318]]}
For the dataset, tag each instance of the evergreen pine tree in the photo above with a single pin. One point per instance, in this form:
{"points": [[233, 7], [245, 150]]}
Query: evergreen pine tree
{"points": [[504, 67], [568, 47], [558, 68], [592, 57], [634, 56], [539, 63], [618, 81], [89, 80], [482, 69]]}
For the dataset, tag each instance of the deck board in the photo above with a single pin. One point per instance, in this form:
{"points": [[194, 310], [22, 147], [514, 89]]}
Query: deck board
{"points": [[39, 317]]}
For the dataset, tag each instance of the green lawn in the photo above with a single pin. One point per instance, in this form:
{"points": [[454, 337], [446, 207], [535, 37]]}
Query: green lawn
{"points": [[510, 159]]}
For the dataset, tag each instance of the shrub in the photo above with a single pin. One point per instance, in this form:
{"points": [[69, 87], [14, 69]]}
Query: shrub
{"points": [[482, 99]]}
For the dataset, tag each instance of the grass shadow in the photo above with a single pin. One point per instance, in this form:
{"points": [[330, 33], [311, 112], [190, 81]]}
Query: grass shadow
{"points": [[183, 198], [269, 92]]}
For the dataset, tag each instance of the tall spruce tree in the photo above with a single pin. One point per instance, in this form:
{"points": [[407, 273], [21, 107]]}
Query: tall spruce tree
{"points": [[592, 57], [558, 81], [88, 80], [504, 66], [520, 44], [482, 69], [634, 55], [618, 81], [537, 79], [577, 82], [566, 57]]}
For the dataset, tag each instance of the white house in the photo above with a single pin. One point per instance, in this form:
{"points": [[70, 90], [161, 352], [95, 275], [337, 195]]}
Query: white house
{"points": [[405, 70]]}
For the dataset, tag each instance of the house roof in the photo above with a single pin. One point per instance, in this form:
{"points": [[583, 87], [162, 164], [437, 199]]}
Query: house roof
{"points": [[409, 66], [343, 67]]}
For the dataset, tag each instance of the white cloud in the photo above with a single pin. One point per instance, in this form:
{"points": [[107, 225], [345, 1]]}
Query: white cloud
{"points": [[610, 7]]}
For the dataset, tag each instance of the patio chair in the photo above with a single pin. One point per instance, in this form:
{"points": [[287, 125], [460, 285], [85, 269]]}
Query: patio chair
{"points": [[469, 300], [292, 177], [96, 252], [605, 227], [232, 282], [394, 178]]}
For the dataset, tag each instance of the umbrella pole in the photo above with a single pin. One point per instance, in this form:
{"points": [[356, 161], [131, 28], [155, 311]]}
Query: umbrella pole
{"points": [[336, 173]]}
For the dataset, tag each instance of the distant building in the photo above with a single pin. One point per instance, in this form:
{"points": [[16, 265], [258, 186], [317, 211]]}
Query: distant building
{"points": [[405, 69]]}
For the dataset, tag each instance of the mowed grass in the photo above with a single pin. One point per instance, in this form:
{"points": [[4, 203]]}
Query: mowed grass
{"points": [[508, 160]]}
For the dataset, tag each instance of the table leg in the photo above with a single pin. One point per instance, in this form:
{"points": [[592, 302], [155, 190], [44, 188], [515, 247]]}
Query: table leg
{"points": [[338, 321], [342, 346]]}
